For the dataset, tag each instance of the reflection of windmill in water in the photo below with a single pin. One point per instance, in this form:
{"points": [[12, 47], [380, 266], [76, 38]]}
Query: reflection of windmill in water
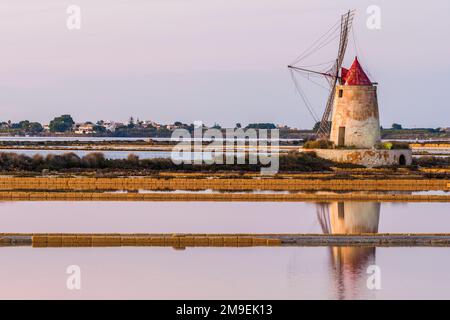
{"points": [[330, 70], [349, 264]]}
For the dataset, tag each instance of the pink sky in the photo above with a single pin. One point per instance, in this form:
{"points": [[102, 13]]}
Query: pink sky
{"points": [[211, 60]]}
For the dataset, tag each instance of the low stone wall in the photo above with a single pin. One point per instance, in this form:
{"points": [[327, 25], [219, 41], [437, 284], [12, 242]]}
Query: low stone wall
{"points": [[367, 157], [244, 197], [430, 145], [86, 240], [9, 184], [182, 241]]}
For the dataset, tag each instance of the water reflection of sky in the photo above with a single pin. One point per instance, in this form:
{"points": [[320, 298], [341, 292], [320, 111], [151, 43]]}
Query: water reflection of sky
{"points": [[204, 217], [122, 154], [114, 154], [211, 273], [225, 273]]}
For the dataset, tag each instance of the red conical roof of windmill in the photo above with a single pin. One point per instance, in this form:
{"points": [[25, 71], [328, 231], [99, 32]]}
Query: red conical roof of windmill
{"points": [[355, 76]]}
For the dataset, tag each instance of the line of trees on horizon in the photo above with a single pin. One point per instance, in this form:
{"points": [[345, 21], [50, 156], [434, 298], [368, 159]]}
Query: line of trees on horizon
{"points": [[66, 124]]}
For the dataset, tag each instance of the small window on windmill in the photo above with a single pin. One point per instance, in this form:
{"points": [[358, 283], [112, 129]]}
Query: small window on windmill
{"points": [[341, 92]]}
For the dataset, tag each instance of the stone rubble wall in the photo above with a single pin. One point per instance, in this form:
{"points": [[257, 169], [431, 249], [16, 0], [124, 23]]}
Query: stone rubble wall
{"points": [[8, 184], [366, 157]]}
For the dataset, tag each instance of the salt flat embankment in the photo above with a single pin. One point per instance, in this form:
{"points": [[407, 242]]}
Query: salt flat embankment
{"points": [[181, 241], [286, 182], [220, 189]]}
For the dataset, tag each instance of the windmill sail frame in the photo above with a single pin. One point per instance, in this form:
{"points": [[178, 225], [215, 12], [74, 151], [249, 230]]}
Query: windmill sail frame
{"points": [[332, 75]]}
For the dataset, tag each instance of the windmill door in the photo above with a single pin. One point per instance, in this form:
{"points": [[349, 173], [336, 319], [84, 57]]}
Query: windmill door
{"points": [[341, 137]]}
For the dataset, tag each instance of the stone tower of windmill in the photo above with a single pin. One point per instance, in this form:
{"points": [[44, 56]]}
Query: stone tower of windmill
{"points": [[355, 119], [355, 123]]}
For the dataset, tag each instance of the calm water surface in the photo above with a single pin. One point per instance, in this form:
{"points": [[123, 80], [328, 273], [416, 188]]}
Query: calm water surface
{"points": [[96, 139], [220, 273], [121, 154], [216, 217], [112, 154]]}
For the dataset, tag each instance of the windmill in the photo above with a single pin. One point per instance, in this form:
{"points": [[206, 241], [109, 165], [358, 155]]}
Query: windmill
{"points": [[340, 30]]}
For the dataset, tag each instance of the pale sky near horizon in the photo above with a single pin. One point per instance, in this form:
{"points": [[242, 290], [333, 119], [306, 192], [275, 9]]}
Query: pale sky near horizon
{"points": [[212, 60]]}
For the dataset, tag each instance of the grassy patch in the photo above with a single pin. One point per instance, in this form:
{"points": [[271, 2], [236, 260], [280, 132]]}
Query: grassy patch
{"points": [[318, 144]]}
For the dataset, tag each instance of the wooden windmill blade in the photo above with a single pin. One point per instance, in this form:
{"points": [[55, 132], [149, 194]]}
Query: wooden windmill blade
{"points": [[323, 217], [324, 128], [346, 24]]}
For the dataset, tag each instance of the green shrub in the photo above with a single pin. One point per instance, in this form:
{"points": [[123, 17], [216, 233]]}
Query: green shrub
{"points": [[393, 145], [292, 162], [70, 162], [318, 144], [386, 145], [430, 161]]}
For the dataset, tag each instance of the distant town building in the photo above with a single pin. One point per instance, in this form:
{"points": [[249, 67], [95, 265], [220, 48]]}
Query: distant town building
{"points": [[4, 125], [110, 125], [150, 123], [85, 128]]}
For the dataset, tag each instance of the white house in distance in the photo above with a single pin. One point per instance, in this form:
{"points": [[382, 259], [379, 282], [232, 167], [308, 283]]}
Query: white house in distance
{"points": [[85, 128]]}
